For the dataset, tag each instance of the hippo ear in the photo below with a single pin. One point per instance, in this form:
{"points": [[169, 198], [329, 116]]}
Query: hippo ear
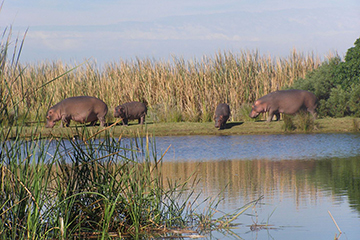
{"points": [[47, 117]]}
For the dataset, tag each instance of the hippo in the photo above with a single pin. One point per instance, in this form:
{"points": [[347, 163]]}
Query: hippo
{"points": [[79, 109], [284, 101], [222, 114], [131, 111]]}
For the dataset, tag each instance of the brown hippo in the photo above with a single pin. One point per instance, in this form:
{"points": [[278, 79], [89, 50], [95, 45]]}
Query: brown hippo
{"points": [[222, 114], [131, 111], [284, 101], [80, 109]]}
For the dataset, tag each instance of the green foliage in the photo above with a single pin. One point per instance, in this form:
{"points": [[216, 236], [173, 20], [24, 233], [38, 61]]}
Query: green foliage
{"points": [[303, 121], [319, 81], [336, 84], [354, 101], [288, 125], [338, 102]]}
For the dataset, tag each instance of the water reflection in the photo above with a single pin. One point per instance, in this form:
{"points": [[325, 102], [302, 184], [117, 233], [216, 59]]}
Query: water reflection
{"points": [[302, 177], [304, 180]]}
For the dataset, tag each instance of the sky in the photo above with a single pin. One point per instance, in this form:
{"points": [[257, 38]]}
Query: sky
{"points": [[109, 30]]}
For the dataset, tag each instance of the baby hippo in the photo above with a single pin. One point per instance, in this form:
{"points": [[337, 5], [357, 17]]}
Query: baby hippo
{"points": [[80, 109], [131, 111], [222, 114]]}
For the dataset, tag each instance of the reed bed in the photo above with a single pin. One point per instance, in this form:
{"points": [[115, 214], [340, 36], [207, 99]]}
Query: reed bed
{"points": [[175, 90]]}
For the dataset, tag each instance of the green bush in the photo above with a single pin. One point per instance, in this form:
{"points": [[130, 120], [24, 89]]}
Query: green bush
{"points": [[321, 80], [354, 101], [336, 84], [288, 124], [338, 102]]}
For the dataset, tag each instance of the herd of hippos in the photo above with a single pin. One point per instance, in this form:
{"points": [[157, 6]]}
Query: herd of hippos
{"points": [[85, 109]]}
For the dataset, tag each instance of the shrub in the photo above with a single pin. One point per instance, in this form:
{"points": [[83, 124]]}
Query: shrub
{"points": [[338, 102], [302, 121], [354, 101], [336, 84], [288, 123]]}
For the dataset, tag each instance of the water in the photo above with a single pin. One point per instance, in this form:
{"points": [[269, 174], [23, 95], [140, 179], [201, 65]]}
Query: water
{"points": [[301, 177], [251, 147]]}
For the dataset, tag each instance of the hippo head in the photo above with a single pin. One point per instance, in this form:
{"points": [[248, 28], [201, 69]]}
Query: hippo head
{"points": [[50, 119], [119, 112], [219, 121], [256, 109]]}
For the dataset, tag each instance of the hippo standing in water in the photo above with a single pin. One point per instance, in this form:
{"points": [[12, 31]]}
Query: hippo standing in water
{"points": [[131, 111], [79, 109], [284, 101], [222, 114]]}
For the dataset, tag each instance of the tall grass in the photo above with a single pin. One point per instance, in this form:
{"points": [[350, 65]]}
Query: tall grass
{"points": [[90, 187], [176, 90]]}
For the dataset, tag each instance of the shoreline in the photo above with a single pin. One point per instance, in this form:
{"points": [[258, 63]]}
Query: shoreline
{"points": [[325, 125]]}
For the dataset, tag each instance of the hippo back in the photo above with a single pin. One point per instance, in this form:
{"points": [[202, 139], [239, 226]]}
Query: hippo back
{"points": [[134, 110], [222, 109], [73, 103]]}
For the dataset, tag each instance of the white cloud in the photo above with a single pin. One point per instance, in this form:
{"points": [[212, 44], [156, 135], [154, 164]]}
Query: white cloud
{"points": [[58, 41]]}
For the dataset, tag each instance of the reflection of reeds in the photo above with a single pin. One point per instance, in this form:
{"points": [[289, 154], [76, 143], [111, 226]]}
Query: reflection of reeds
{"points": [[193, 88], [247, 180]]}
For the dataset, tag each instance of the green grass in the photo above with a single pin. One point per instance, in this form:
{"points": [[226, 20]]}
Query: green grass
{"points": [[324, 125]]}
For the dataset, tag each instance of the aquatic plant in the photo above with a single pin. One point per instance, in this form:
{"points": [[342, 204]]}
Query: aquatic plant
{"points": [[88, 186]]}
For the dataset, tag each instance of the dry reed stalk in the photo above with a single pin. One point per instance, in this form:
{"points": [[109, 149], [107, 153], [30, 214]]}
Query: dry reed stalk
{"points": [[193, 87]]}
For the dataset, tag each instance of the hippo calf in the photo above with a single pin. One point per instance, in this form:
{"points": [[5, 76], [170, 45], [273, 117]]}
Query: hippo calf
{"points": [[284, 101], [81, 109], [131, 111], [222, 114]]}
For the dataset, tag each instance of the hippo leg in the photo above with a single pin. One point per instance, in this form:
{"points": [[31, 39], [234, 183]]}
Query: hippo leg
{"points": [[102, 121], [277, 114], [125, 121], [142, 119], [313, 112], [93, 123], [66, 121], [271, 115]]}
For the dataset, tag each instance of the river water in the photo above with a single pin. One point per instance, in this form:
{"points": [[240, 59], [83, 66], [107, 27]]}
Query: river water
{"points": [[302, 177]]}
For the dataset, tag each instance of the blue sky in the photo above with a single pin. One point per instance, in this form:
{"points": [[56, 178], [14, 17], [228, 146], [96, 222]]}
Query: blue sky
{"points": [[110, 30]]}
